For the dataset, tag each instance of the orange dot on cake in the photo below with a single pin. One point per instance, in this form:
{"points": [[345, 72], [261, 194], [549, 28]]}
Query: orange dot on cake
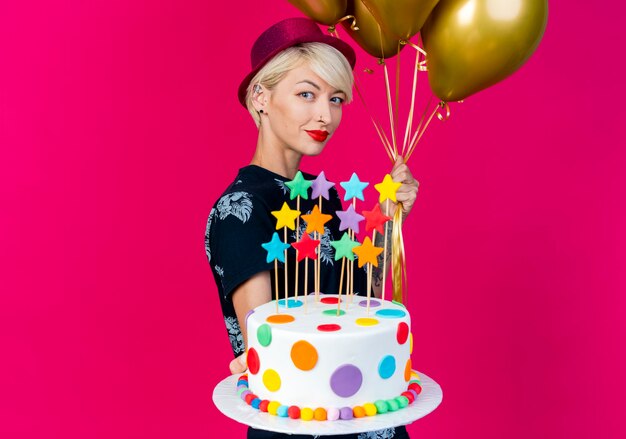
{"points": [[280, 318], [304, 355], [407, 370]]}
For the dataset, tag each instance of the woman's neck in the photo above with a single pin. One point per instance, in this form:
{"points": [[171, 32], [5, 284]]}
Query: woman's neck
{"points": [[274, 156]]}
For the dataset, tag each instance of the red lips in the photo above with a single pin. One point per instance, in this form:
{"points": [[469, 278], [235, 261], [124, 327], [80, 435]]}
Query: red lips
{"points": [[318, 135]]}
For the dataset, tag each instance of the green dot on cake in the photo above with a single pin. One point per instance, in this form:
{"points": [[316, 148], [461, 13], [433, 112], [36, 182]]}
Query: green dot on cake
{"points": [[333, 312]]}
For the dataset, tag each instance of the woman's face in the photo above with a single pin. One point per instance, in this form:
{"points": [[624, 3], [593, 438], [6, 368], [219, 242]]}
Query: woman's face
{"points": [[302, 111]]}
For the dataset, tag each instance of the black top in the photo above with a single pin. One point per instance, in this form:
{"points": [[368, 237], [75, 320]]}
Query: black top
{"points": [[239, 222]]}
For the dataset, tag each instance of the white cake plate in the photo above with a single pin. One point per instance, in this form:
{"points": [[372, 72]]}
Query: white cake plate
{"points": [[226, 399]]}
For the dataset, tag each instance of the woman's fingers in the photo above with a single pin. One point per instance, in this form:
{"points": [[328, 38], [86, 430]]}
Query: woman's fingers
{"points": [[407, 192], [238, 365]]}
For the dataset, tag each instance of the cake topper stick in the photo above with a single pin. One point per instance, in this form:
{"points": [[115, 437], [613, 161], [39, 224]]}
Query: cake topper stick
{"points": [[319, 189], [286, 219], [375, 220], [276, 250], [315, 222], [354, 189], [276, 284], [306, 250], [298, 187], [387, 190], [385, 252], [343, 249], [286, 269], [368, 254]]}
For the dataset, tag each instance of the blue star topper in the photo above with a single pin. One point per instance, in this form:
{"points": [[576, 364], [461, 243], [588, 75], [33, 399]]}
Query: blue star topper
{"points": [[275, 249], [354, 188]]}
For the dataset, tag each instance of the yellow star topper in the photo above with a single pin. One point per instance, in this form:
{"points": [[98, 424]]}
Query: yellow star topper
{"points": [[367, 252], [315, 221], [387, 189], [286, 217]]}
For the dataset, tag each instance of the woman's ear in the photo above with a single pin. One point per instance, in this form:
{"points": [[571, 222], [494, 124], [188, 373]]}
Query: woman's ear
{"points": [[259, 98]]}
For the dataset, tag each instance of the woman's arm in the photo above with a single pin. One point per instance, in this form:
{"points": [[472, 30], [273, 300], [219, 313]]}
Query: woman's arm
{"points": [[254, 292]]}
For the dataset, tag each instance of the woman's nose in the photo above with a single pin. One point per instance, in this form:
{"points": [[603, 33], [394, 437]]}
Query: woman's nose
{"points": [[325, 114]]}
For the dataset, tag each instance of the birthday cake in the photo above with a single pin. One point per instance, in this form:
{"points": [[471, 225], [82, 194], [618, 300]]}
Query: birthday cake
{"points": [[329, 357], [308, 362]]}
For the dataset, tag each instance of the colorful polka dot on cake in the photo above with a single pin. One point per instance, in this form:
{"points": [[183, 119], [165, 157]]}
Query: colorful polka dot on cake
{"points": [[271, 380], [387, 367], [390, 313], [253, 361], [291, 303], [373, 303], [303, 355], [366, 321], [333, 312], [403, 333], [331, 327], [407, 370], [264, 334], [280, 318], [346, 380]]}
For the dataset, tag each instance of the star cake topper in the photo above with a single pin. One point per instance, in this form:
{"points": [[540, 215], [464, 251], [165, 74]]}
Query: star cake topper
{"points": [[315, 220], [320, 186], [354, 188], [387, 189], [306, 247], [299, 186], [286, 217], [349, 219], [344, 247], [275, 249], [375, 219], [367, 252]]}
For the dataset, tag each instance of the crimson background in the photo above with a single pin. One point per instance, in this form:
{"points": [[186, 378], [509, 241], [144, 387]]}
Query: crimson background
{"points": [[120, 127]]}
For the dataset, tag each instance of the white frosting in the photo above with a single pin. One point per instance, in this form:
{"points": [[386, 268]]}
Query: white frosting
{"points": [[361, 346]]}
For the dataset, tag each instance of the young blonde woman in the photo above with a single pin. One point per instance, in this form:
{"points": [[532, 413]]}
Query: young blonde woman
{"points": [[295, 92]]}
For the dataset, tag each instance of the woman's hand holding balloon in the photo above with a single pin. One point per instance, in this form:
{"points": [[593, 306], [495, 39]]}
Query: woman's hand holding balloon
{"points": [[407, 192]]}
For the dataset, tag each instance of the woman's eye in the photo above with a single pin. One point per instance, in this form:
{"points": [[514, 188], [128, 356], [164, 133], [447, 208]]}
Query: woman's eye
{"points": [[306, 95], [337, 100]]}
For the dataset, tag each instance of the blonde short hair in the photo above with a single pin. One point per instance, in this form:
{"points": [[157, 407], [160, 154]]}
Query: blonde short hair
{"points": [[326, 61]]}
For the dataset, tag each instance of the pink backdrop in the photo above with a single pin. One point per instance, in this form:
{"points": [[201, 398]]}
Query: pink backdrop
{"points": [[120, 127]]}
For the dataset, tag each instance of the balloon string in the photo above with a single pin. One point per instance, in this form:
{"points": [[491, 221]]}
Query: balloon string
{"points": [[377, 126], [333, 29], [440, 106], [409, 123], [398, 261], [397, 111], [388, 92], [421, 64]]}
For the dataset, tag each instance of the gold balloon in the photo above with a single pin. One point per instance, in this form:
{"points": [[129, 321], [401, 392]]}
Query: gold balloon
{"points": [[327, 12], [401, 18], [370, 34], [473, 44]]}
